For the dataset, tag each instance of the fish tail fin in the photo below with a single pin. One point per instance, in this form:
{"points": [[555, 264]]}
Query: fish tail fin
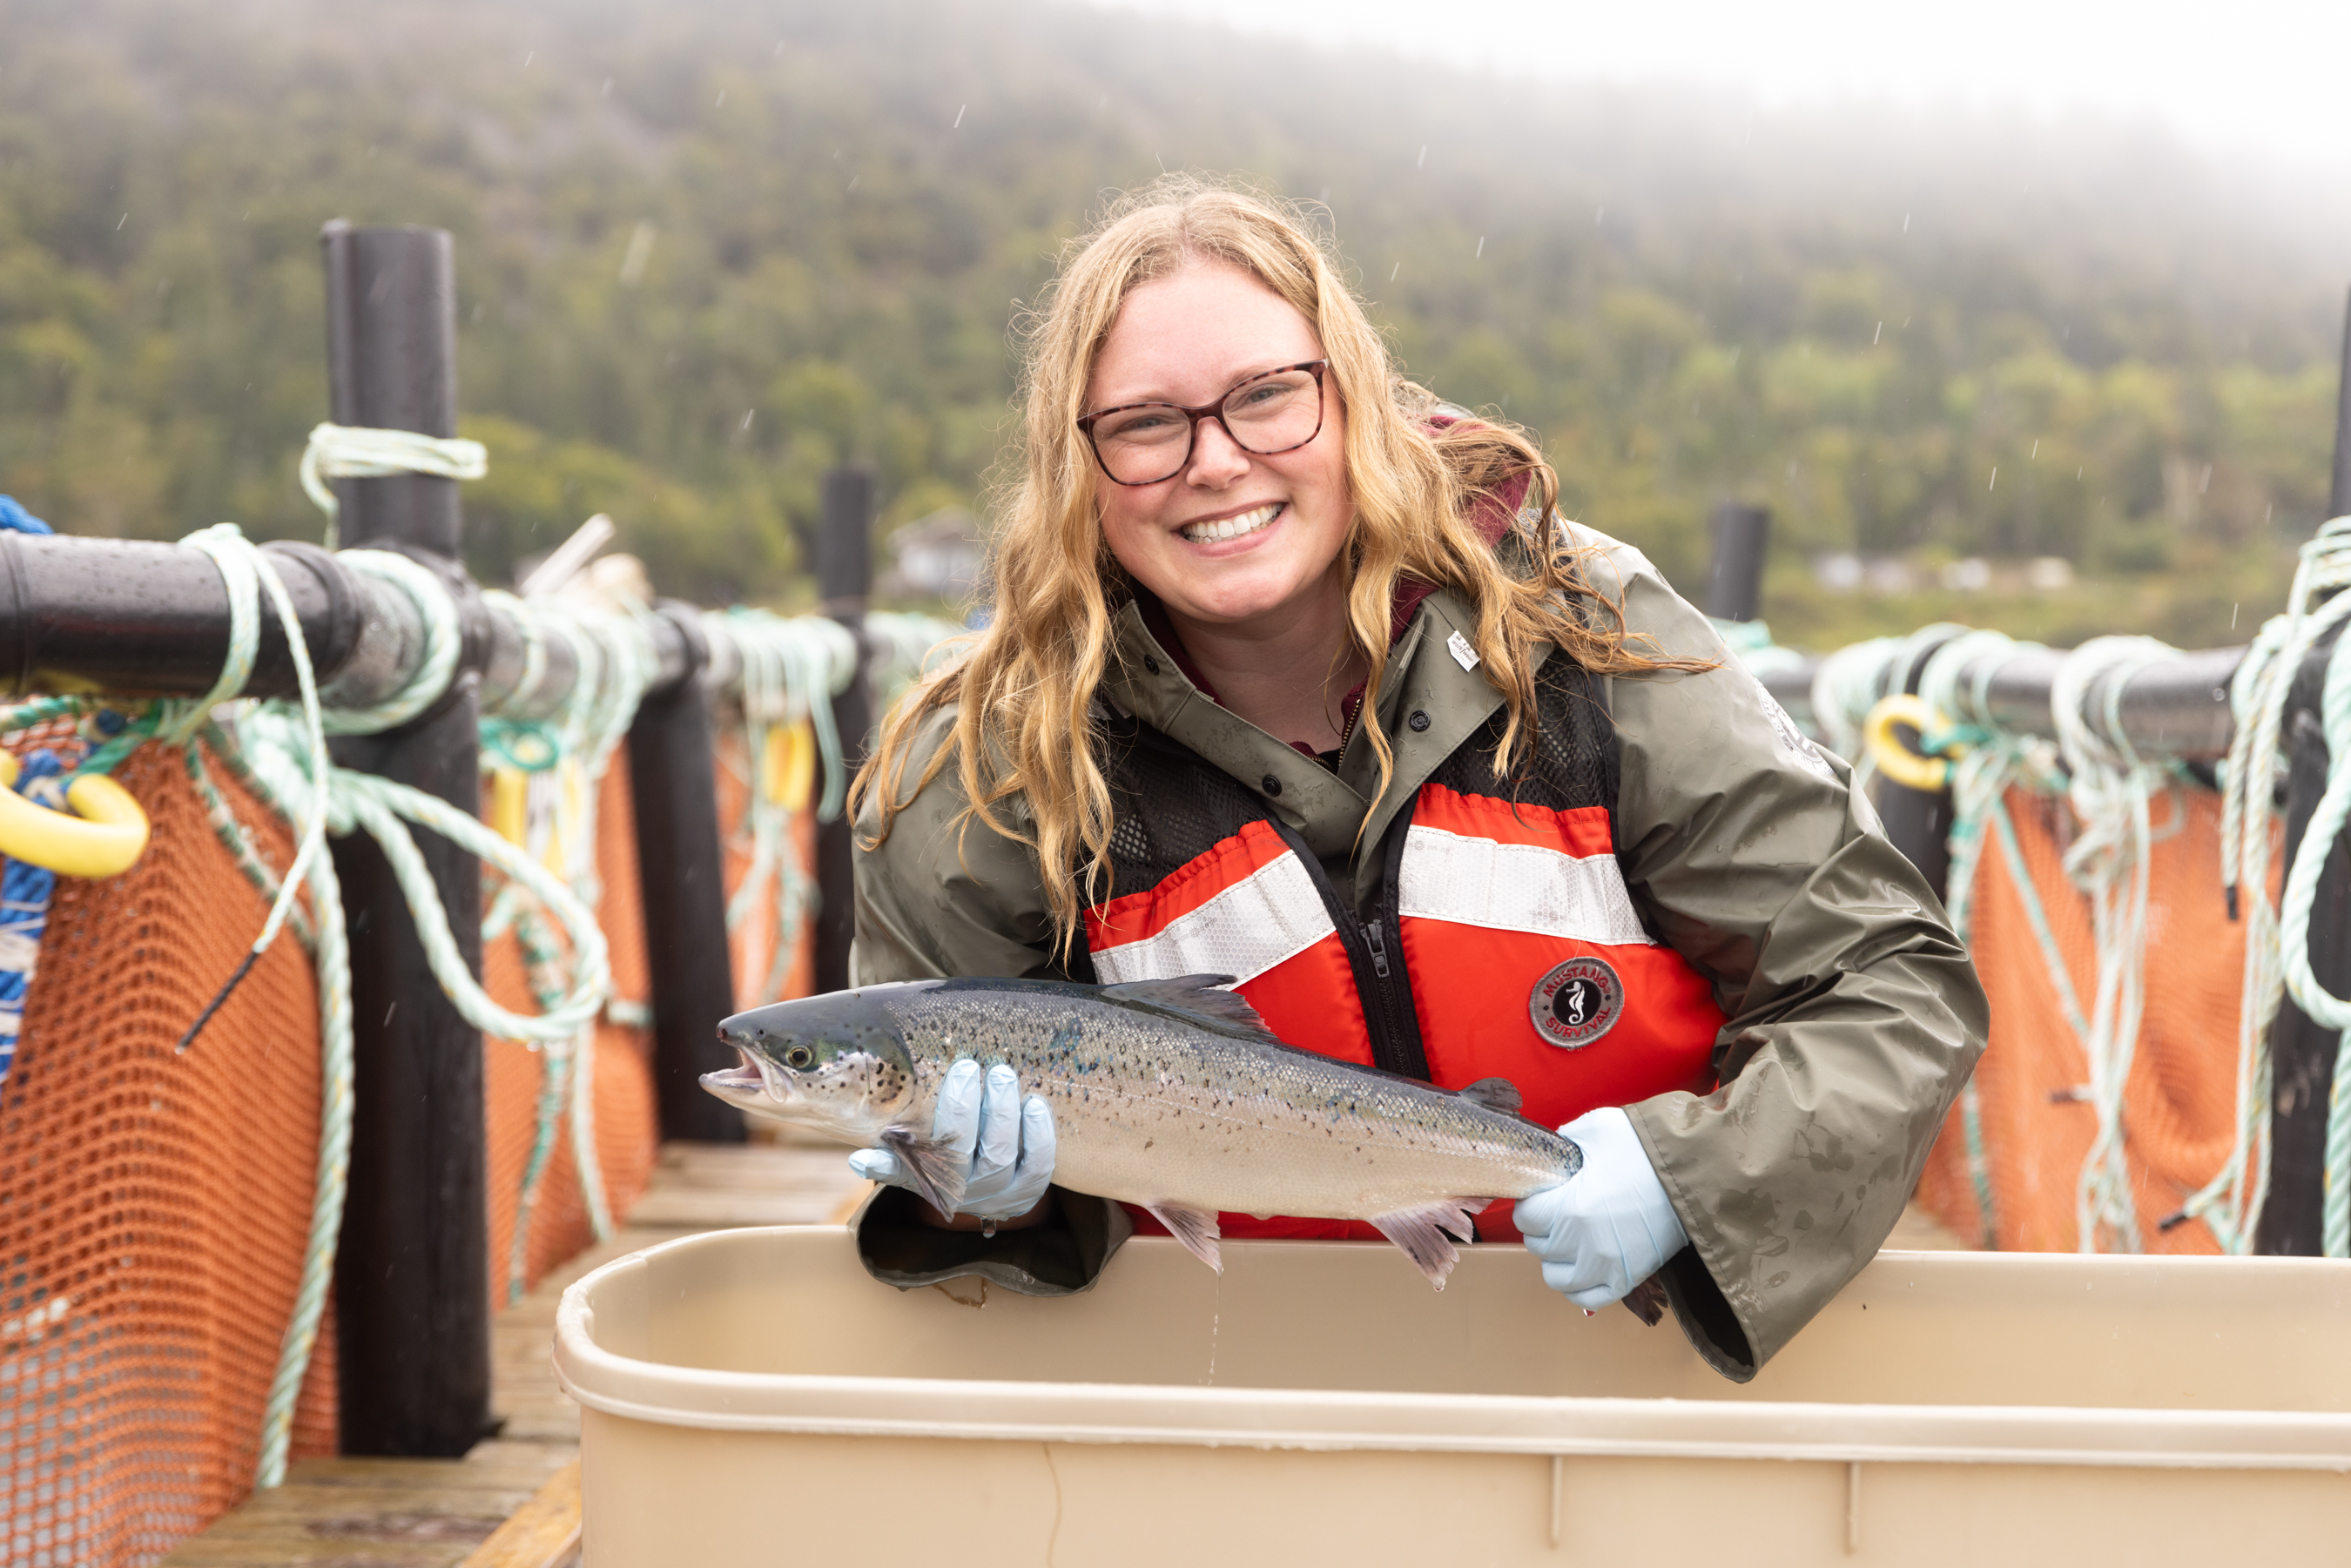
{"points": [[1430, 1234], [933, 1167], [1197, 1229]]}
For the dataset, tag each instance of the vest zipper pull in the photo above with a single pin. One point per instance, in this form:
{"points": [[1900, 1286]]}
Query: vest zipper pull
{"points": [[1379, 949]]}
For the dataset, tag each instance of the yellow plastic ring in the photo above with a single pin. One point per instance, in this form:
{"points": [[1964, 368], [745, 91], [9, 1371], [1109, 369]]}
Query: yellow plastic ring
{"points": [[1894, 760], [105, 835]]}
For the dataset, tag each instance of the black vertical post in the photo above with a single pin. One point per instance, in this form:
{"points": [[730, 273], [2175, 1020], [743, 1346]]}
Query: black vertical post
{"points": [[1734, 584], [2302, 1054], [844, 571], [681, 868], [1919, 822], [412, 1291]]}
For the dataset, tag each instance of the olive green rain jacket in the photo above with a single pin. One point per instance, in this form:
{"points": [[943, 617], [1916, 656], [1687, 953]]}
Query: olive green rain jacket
{"points": [[1853, 1014]]}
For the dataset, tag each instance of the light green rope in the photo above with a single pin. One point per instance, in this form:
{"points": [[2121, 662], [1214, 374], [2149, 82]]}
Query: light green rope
{"points": [[2110, 790], [235, 837], [542, 963], [790, 671], [2231, 1203], [615, 661], [355, 452], [1990, 759], [907, 648], [444, 644], [1750, 643]]}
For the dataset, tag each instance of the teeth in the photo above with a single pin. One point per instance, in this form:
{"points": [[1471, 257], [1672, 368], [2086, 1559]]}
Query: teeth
{"points": [[1232, 528]]}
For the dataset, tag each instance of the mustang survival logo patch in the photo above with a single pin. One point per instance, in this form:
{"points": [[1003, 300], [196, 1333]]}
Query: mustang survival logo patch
{"points": [[1576, 1002]]}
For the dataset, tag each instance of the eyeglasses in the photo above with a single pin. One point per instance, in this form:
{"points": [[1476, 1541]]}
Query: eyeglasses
{"points": [[1145, 443]]}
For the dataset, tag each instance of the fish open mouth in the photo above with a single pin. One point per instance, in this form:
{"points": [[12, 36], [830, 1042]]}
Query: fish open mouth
{"points": [[742, 1085]]}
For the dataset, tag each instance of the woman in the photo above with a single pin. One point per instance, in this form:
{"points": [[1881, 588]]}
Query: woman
{"points": [[1295, 675]]}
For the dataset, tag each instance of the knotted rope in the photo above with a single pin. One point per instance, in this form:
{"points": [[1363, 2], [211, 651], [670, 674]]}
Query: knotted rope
{"points": [[355, 452]]}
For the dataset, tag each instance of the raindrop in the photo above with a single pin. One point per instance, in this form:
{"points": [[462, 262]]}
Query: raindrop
{"points": [[1906, 223], [722, 100], [747, 417], [121, 221], [1481, 249], [1995, 479], [1394, 270], [2232, 616], [1874, 337], [958, 124], [529, 57], [2036, 452], [780, 50], [1598, 213], [607, 89], [1423, 162], [2205, 483]]}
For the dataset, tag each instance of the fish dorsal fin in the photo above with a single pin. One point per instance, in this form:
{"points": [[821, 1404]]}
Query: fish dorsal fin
{"points": [[1202, 996], [1495, 1094]]}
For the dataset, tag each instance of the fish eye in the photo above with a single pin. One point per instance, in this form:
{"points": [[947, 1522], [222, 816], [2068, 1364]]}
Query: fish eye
{"points": [[799, 1058]]}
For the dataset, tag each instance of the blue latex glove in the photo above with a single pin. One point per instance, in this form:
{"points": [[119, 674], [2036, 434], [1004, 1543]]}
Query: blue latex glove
{"points": [[1007, 1142], [1608, 1227]]}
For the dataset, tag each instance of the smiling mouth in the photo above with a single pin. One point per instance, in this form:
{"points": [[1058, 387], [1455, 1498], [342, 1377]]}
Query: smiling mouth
{"points": [[1233, 528]]}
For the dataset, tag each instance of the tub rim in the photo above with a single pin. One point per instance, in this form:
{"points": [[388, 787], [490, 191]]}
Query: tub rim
{"points": [[975, 1409]]}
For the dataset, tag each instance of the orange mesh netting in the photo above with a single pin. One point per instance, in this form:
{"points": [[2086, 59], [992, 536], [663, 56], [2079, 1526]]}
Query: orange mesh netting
{"points": [[2180, 1100], [627, 1121], [751, 942], [153, 1208]]}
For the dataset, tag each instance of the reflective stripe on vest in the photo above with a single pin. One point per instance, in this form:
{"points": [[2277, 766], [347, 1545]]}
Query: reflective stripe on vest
{"points": [[1495, 895], [1247, 908]]}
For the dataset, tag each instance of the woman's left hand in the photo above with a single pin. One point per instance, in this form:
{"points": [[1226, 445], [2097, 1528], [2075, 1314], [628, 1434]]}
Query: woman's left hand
{"points": [[1609, 1226]]}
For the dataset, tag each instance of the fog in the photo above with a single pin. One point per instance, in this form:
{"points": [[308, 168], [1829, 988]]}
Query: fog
{"points": [[2257, 75]]}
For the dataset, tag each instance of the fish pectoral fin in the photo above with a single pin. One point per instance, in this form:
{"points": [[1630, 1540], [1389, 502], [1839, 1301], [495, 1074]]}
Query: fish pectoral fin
{"points": [[1202, 996], [1646, 1301], [1194, 1227], [1429, 1234], [935, 1168], [1495, 1094]]}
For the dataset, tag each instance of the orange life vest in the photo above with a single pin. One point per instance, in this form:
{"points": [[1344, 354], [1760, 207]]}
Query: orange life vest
{"points": [[1500, 939]]}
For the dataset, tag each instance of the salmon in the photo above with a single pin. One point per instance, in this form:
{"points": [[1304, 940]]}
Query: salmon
{"points": [[1170, 1094]]}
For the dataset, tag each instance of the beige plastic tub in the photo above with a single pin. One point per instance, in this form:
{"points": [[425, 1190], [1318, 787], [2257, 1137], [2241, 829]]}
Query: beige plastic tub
{"points": [[752, 1397]]}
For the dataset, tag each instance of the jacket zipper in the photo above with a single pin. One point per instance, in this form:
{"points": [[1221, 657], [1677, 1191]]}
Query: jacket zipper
{"points": [[1381, 987]]}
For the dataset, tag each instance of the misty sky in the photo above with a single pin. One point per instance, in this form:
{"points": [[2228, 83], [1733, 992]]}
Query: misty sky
{"points": [[2262, 76]]}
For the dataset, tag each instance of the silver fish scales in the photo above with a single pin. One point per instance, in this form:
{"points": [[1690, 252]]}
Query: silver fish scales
{"points": [[1170, 1094]]}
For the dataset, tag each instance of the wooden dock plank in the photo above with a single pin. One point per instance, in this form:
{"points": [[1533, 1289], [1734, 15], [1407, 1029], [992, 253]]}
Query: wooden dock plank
{"points": [[542, 1533], [373, 1513]]}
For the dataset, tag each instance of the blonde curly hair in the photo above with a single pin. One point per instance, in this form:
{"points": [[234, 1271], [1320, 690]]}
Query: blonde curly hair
{"points": [[1022, 692]]}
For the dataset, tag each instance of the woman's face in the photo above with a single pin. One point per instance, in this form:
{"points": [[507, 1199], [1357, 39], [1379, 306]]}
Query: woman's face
{"points": [[1187, 339]]}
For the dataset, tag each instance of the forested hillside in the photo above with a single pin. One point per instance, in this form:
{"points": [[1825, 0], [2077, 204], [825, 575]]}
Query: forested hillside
{"points": [[709, 247]]}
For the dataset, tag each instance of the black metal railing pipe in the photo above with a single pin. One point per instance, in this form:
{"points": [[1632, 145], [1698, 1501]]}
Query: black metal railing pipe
{"points": [[2177, 708], [137, 618]]}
